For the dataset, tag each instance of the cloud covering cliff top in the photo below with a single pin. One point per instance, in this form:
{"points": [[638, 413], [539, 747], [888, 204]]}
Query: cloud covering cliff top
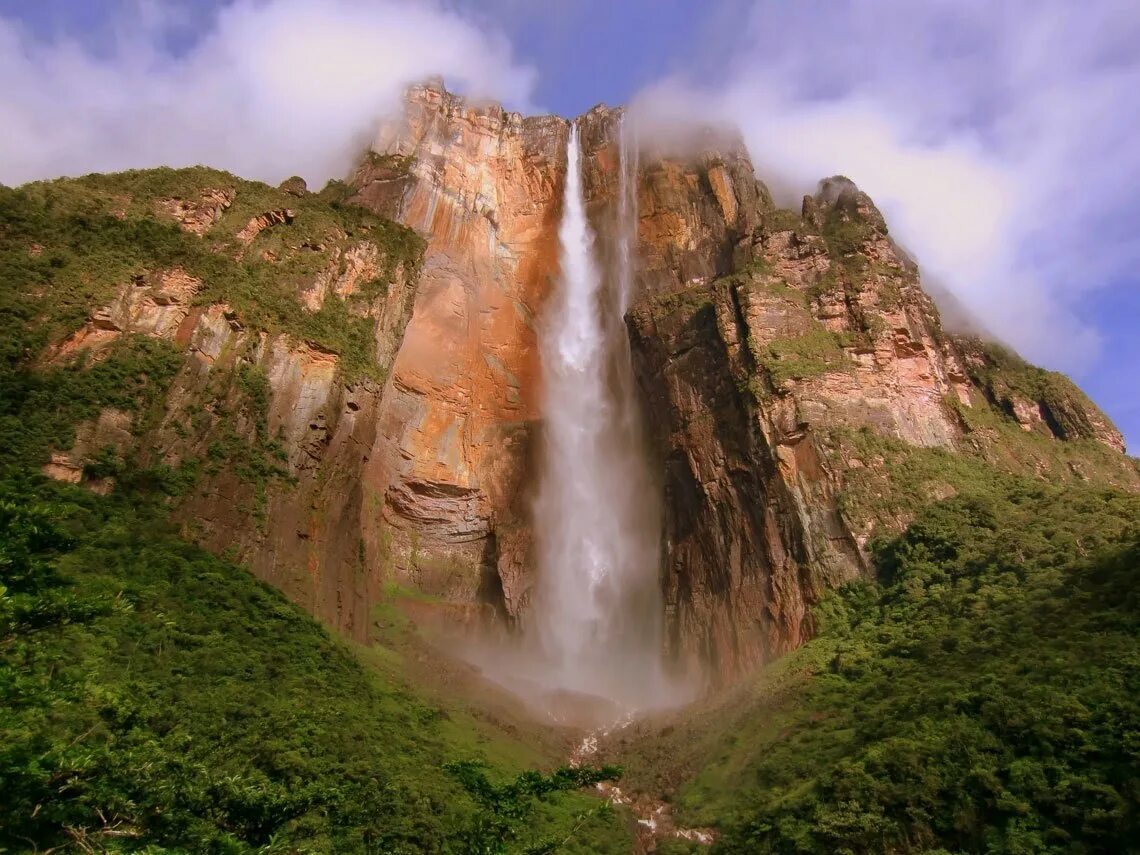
{"points": [[997, 140], [263, 89]]}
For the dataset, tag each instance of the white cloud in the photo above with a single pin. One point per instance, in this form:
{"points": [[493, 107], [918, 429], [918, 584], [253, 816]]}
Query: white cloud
{"points": [[998, 139], [273, 88]]}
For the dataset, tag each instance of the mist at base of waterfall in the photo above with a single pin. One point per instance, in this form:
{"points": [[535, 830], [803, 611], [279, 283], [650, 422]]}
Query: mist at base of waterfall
{"points": [[523, 672], [597, 615]]}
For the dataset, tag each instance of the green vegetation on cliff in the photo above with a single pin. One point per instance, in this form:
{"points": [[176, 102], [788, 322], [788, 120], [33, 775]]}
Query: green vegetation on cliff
{"points": [[814, 352], [982, 696], [1008, 380], [894, 480], [67, 245], [39, 409]]}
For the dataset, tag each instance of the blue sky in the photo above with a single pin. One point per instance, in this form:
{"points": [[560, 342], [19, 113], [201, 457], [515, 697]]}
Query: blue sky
{"points": [[999, 139]]}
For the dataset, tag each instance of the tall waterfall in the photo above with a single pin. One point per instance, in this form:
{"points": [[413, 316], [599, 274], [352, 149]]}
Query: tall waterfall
{"points": [[598, 602]]}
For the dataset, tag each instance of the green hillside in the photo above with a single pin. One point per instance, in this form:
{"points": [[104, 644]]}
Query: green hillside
{"points": [[155, 697], [980, 694], [983, 696], [158, 698]]}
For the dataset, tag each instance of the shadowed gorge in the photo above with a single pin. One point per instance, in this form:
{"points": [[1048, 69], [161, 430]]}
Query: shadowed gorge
{"points": [[563, 408]]}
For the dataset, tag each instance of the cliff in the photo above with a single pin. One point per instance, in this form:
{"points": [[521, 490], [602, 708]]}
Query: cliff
{"points": [[274, 316], [805, 397], [354, 378], [457, 428]]}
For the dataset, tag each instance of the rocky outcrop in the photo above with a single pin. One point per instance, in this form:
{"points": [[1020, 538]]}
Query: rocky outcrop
{"points": [[110, 432], [155, 304], [294, 185], [818, 328], [197, 215], [1039, 401], [266, 430], [347, 271], [282, 216]]}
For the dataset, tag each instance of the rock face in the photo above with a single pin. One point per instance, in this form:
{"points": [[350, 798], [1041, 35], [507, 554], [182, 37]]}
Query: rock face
{"points": [[758, 333], [456, 427], [785, 360], [272, 427], [197, 215], [261, 222], [292, 506], [817, 328], [155, 304], [741, 373]]}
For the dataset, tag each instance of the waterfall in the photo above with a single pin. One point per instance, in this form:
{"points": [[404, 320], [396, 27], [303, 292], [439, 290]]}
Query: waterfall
{"points": [[627, 220], [597, 608]]}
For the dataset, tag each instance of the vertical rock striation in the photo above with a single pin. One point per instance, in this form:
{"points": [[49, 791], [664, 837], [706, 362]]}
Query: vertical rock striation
{"points": [[763, 338], [810, 327]]}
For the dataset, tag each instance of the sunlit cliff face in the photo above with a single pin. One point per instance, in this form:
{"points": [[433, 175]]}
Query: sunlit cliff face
{"points": [[508, 460]]}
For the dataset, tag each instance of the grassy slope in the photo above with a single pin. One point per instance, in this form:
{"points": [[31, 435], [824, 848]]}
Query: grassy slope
{"points": [[67, 245]]}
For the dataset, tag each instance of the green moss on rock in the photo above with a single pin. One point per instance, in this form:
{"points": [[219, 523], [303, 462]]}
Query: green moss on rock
{"points": [[798, 357], [1007, 379]]}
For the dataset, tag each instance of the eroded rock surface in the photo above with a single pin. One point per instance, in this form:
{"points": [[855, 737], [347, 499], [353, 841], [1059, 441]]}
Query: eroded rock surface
{"points": [[155, 304], [757, 334], [281, 216], [818, 328], [198, 215], [268, 426]]}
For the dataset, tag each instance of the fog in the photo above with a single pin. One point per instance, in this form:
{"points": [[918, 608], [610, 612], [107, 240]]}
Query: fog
{"points": [[268, 90]]}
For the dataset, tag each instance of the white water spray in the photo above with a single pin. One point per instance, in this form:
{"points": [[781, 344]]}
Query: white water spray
{"points": [[598, 603]]}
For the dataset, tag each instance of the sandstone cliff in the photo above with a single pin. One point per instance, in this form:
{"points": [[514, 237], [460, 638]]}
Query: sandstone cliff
{"points": [[765, 340], [287, 310], [457, 426], [357, 406]]}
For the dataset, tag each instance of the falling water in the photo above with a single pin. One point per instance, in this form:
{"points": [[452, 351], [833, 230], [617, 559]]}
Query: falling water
{"points": [[626, 227], [598, 603]]}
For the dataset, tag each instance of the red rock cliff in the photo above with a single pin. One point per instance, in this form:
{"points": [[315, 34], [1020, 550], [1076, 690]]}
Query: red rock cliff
{"points": [[798, 389], [792, 387], [457, 426], [763, 340]]}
